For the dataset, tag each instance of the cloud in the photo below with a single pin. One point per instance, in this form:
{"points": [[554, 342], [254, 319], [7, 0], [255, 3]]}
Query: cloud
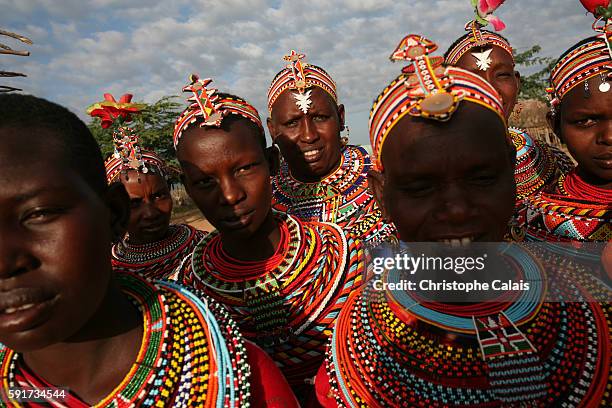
{"points": [[84, 48]]}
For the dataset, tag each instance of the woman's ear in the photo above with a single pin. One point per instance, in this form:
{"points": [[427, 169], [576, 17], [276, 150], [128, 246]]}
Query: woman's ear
{"points": [[271, 129], [272, 154], [553, 123], [376, 184], [118, 202]]}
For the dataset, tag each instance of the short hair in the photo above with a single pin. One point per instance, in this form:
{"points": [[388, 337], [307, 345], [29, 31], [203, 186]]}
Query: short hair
{"points": [[464, 36], [230, 119], [81, 149]]}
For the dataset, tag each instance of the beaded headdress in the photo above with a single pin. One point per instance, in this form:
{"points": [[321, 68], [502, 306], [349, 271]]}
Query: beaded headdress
{"points": [[478, 38], [586, 59], [300, 76], [426, 88], [128, 154], [210, 107]]}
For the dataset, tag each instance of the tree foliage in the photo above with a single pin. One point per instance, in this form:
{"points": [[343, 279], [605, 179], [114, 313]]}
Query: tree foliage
{"points": [[154, 125], [534, 86]]}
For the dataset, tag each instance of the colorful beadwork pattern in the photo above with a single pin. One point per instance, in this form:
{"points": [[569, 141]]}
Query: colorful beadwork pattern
{"points": [[157, 260], [210, 107], [427, 89], [384, 354], [342, 197], [590, 59], [482, 39], [538, 165], [286, 304], [299, 76], [571, 210], [192, 353]]}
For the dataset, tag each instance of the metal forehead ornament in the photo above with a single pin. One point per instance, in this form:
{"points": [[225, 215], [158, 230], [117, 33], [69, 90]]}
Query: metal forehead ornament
{"points": [[483, 59], [427, 81], [302, 99]]}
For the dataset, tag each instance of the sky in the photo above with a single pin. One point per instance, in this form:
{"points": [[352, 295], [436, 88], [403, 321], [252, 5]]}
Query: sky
{"points": [[85, 48]]}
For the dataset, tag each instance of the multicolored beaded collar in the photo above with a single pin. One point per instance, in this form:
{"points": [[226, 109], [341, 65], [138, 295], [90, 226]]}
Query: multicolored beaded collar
{"points": [[342, 197], [128, 153], [300, 76], [477, 37], [573, 210], [156, 260], [384, 353], [210, 107], [537, 164], [585, 60], [427, 89], [287, 304], [192, 353]]}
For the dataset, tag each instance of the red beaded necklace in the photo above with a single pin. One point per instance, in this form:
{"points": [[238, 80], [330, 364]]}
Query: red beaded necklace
{"points": [[574, 186], [237, 270]]}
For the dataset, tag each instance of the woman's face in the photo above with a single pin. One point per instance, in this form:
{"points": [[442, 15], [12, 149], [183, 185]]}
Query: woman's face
{"points": [[448, 181], [309, 142], [150, 206], [584, 123], [500, 73], [55, 240]]}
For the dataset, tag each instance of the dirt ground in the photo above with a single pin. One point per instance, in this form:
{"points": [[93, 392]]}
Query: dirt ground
{"points": [[193, 217]]}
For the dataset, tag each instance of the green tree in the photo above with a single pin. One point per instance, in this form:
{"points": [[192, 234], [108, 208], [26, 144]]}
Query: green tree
{"points": [[534, 86], [154, 125]]}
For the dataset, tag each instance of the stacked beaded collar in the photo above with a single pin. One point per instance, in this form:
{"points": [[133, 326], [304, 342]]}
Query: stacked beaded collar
{"points": [[128, 154], [585, 60], [477, 37], [536, 164], [210, 107], [156, 260], [192, 353], [426, 88], [573, 210], [342, 197], [386, 351], [300, 76], [287, 303]]}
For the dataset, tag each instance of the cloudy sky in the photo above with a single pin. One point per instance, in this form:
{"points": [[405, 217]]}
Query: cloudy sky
{"points": [[84, 48]]}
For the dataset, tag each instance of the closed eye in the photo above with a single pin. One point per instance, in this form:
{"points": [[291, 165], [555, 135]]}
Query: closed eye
{"points": [[42, 215]]}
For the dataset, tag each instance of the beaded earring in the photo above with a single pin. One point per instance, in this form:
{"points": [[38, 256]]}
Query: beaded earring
{"points": [[604, 86], [345, 138], [587, 90]]}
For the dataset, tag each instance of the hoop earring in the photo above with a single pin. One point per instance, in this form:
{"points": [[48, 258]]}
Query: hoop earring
{"points": [[345, 139]]}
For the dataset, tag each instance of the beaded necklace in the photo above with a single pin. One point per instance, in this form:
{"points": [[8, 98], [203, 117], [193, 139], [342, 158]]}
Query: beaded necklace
{"points": [[287, 306], [342, 197], [572, 211], [383, 355], [537, 164], [156, 260], [191, 353]]}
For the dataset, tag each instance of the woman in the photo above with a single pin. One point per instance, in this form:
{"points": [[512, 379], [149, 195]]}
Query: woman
{"points": [[490, 56], [283, 279], [152, 247], [321, 177], [390, 348], [70, 325], [578, 207]]}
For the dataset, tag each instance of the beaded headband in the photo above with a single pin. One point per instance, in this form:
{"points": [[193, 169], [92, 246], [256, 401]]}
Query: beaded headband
{"points": [[128, 154], [300, 76], [426, 88], [477, 38], [208, 104], [584, 61]]}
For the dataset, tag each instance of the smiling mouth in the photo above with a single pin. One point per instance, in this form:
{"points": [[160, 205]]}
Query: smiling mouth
{"points": [[459, 241], [25, 308], [312, 155]]}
